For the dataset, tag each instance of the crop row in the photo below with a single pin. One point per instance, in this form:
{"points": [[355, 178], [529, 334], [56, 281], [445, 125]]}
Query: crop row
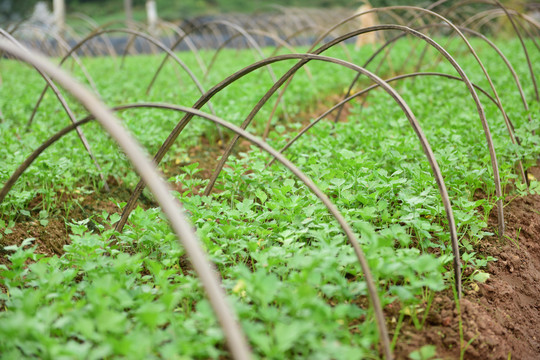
{"points": [[334, 39]]}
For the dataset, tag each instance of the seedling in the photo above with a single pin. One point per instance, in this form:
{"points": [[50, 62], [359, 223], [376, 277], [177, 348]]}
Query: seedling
{"points": [[426, 352], [515, 240]]}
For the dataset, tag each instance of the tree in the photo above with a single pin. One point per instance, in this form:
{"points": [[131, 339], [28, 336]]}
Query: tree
{"points": [[12, 10]]}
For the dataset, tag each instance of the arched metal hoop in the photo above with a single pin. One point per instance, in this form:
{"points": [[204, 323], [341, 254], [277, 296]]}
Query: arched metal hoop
{"points": [[171, 207], [340, 104], [304, 58], [372, 290]]}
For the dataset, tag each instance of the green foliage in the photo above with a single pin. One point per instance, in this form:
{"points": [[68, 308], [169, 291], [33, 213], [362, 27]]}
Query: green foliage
{"points": [[15, 10], [285, 264], [426, 352]]}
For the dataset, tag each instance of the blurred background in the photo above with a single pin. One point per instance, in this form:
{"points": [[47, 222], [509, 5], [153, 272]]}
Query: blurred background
{"points": [[53, 26], [103, 11]]}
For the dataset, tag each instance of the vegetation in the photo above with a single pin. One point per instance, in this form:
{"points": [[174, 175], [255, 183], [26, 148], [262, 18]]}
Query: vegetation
{"points": [[103, 11], [284, 262], [286, 265]]}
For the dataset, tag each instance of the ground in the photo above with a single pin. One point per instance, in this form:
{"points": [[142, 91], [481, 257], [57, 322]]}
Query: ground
{"points": [[499, 318]]}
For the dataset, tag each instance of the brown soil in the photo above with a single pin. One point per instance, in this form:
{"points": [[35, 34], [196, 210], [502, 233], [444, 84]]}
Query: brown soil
{"points": [[206, 154], [51, 237], [500, 318]]}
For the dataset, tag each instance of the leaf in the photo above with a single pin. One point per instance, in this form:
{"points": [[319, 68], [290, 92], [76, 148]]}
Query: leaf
{"points": [[11, 248], [114, 218], [347, 154], [289, 183], [85, 326], [402, 293], [426, 352], [267, 286], [480, 276], [425, 263], [152, 314], [111, 321], [383, 173], [261, 195], [286, 334], [337, 182], [245, 205], [414, 200], [260, 337]]}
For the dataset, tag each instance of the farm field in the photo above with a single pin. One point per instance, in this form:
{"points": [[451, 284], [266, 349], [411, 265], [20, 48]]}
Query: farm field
{"points": [[73, 286]]}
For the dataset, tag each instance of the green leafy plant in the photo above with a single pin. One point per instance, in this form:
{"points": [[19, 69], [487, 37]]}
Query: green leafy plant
{"points": [[285, 264]]}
